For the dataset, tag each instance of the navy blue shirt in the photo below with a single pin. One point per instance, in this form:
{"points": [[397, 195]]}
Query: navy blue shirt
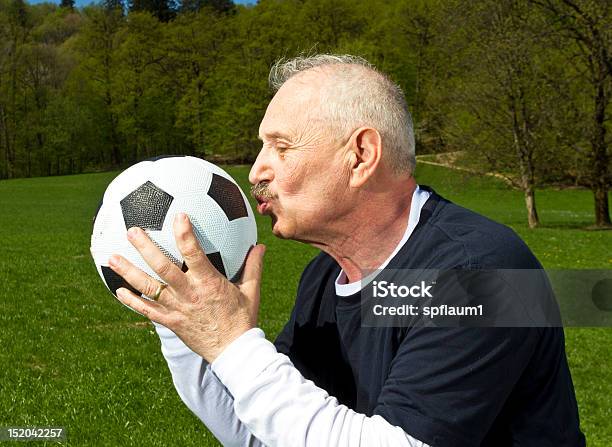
{"points": [[446, 386]]}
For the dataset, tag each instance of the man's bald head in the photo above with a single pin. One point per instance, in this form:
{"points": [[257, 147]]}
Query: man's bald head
{"points": [[354, 94]]}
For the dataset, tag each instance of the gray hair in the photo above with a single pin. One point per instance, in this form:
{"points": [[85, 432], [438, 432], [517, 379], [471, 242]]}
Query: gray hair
{"points": [[361, 96]]}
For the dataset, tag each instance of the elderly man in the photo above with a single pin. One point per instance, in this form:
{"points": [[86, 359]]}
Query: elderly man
{"points": [[338, 150]]}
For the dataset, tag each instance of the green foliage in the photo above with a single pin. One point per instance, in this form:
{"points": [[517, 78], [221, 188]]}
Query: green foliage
{"points": [[192, 79]]}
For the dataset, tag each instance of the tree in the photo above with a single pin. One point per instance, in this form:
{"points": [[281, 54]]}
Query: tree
{"points": [[328, 24], [238, 92], [421, 22], [585, 26], [17, 31], [220, 6], [500, 100], [195, 47], [139, 93], [164, 10], [113, 5], [96, 49], [67, 4]]}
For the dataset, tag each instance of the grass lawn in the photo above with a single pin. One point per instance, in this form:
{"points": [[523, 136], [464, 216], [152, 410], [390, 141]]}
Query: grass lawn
{"points": [[73, 356]]}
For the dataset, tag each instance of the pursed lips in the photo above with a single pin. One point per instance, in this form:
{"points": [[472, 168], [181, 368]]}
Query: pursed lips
{"points": [[261, 193], [263, 203]]}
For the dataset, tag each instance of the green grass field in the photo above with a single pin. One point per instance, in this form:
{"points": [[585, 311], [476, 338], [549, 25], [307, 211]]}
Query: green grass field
{"points": [[73, 356]]}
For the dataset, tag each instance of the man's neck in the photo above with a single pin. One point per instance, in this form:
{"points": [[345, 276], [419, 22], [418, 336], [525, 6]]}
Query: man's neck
{"points": [[368, 236]]}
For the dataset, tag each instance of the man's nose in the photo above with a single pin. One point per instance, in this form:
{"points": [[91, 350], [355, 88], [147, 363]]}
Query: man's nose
{"points": [[261, 169]]}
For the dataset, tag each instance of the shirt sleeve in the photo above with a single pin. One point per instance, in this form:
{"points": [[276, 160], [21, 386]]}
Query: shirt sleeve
{"points": [[281, 408], [202, 392]]}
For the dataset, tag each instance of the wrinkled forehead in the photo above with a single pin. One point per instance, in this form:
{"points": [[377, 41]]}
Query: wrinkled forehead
{"points": [[296, 104]]}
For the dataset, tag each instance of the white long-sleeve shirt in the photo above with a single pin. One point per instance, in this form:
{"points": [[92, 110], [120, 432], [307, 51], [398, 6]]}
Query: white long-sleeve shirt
{"points": [[252, 395], [202, 391]]}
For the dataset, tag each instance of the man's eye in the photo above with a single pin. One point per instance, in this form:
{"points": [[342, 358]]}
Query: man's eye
{"points": [[281, 151]]}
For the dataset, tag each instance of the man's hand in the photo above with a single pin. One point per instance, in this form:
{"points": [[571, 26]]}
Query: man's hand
{"points": [[201, 306]]}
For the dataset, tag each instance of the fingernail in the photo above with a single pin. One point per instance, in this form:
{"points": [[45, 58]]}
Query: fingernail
{"points": [[120, 292], [132, 232], [114, 261], [182, 217]]}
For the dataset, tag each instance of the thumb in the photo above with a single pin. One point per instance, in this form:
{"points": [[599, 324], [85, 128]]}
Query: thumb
{"points": [[251, 276]]}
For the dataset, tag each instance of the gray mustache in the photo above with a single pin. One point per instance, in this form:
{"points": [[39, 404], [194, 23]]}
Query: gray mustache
{"points": [[261, 190]]}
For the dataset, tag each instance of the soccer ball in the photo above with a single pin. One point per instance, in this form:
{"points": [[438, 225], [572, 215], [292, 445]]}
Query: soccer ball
{"points": [[149, 194]]}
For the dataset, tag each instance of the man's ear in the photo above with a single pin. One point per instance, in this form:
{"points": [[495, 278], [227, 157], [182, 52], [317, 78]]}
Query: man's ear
{"points": [[366, 153]]}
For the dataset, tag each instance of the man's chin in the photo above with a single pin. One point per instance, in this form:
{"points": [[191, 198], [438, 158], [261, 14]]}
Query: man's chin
{"points": [[277, 229]]}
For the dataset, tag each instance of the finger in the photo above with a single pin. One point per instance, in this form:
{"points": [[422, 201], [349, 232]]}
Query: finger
{"points": [[158, 261], [194, 256], [253, 267], [135, 277], [150, 309]]}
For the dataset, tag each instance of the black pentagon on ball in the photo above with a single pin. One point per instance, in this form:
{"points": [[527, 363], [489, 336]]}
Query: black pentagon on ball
{"points": [[215, 259], [228, 197], [146, 207], [115, 281], [217, 262]]}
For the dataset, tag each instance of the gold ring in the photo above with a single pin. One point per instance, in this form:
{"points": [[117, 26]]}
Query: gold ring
{"points": [[158, 292]]}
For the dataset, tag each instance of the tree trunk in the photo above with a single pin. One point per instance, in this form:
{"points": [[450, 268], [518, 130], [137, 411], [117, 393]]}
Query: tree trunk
{"points": [[115, 150], [532, 213], [524, 155], [29, 166], [200, 138], [7, 142], [599, 180], [602, 210]]}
